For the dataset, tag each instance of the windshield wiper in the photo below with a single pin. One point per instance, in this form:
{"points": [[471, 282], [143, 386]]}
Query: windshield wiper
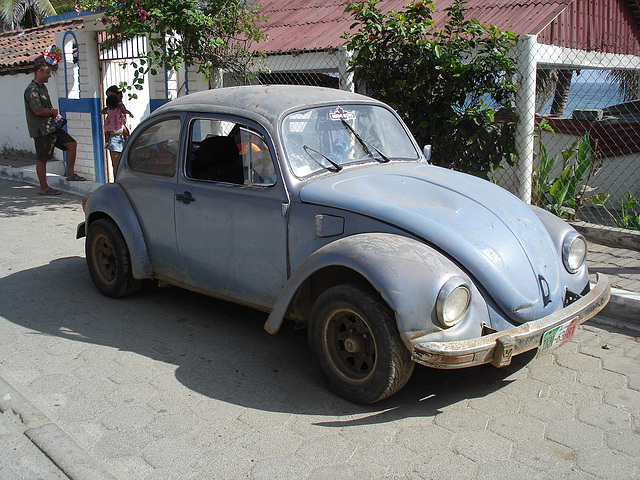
{"points": [[336, 167], [383, 158]]}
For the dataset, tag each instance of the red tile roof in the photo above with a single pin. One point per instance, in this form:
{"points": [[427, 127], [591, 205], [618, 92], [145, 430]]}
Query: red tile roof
{"points": [[20, 47]]}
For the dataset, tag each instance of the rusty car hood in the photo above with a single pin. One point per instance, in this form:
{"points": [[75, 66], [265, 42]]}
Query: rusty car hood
{"points": [[491, 233]]}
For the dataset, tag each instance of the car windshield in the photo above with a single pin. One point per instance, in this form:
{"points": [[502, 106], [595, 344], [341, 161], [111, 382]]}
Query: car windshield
{"points": [[326, 138]]}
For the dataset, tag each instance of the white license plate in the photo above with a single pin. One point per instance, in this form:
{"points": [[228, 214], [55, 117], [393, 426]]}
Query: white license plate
{"points": [[558, 336]]}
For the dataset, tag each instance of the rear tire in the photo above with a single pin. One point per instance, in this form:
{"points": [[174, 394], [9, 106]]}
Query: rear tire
{"points": [[354, 339], [108, 260]]}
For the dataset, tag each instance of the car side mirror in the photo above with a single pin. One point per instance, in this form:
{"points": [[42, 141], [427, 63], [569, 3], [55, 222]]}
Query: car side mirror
{"points": [[426, 151]]}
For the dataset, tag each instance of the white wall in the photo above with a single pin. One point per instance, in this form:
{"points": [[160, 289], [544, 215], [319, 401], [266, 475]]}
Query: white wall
{"points": [[13, 127]]}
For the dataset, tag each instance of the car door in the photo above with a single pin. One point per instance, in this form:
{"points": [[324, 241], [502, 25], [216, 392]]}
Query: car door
{"points": [[231, 223], [149, 178]]}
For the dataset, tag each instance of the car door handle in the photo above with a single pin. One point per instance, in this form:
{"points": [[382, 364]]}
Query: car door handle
{"points": [[185, 197]]}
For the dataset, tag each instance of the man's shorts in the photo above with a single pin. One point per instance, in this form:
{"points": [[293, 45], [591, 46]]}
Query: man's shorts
{"points": [[46, 144]]}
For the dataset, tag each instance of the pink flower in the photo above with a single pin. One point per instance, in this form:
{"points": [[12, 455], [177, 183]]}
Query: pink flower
{"points": [[143, 14], [104, 20], [138, 5]]}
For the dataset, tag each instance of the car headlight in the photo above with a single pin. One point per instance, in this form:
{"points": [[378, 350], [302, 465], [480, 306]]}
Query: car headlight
{"points": [[574, 252], [452, 302]]}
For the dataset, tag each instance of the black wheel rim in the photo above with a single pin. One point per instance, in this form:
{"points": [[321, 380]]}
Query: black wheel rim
{"points": [[104, 259], [349, 346]]}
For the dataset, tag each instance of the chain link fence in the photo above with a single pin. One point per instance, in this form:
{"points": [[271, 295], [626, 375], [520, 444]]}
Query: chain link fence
{"points": [[584, 95], [591, 97]]}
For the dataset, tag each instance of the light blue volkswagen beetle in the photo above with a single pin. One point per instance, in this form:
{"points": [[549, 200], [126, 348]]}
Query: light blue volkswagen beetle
{"points": [[316, 205]]}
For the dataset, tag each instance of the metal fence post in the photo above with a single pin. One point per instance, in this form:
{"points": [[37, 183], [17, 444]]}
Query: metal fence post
{"points": [[346, 77], [525, 113]]}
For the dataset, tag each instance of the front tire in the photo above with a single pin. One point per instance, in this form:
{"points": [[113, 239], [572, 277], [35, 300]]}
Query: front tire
{"points": [[108, 260], [354, 339]]}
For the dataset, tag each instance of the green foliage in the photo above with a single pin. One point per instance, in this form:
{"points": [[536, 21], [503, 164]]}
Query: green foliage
{"points": [[566, 193], [629, 218], [447, 84], [212, 35]]}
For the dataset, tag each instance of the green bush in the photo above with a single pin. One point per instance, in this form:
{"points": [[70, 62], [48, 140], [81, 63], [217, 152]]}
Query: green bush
{"points": [[448, 84]]}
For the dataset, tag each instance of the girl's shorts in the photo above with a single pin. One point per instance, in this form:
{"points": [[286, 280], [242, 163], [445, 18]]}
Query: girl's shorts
{"points": [[115, 143]]}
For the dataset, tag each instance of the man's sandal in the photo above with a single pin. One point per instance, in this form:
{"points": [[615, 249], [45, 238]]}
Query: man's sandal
{"points": [[75, 178], [50, 192]]}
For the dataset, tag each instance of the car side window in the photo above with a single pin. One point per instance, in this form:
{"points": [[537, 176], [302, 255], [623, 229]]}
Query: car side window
{"points": [[229, 152], [155, 151]]}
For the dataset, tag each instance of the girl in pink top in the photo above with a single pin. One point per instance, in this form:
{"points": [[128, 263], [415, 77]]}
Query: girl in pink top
{"points": [[114, 128]]}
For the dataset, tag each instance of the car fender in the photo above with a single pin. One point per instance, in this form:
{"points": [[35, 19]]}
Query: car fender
{"points": [[110, 200], [407, 273]]}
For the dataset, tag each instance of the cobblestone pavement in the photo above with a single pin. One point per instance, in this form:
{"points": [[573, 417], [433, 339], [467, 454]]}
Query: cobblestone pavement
{"points": [[168, 384]]}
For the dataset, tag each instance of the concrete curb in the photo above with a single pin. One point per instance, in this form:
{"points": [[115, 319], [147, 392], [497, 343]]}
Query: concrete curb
{"points": [[53, 442], [610, 236], [59, 182], [622, 311]]}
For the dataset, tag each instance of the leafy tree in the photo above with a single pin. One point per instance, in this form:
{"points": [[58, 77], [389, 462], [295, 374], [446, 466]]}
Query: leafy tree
{"points": [[446, 83], [211, 35]]}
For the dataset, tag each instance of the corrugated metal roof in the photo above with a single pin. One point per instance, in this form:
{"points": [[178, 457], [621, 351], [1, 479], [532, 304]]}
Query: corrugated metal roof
{"points": [[596, 25], [19, 48], [312, 25]]}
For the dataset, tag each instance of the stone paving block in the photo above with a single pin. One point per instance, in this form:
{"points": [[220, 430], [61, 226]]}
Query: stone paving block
{"points": [[446, 465], [131, 467], [602, 379], [606, 463], [605, 417], [385, 460], [333, 472], [127, 418], [545, 455], [575, 435], [553, 374], [578, 361], [623, 365], [577, 394], [170, 452], [285, 467], [169, 425], [498, 402], [316, 451], [369, 433], [505, 469], [624, 399], [481, 446], [462, 420], [545, 409], [602, 350], [625, 441], [122, 444], [518, 427], [428, 438]]}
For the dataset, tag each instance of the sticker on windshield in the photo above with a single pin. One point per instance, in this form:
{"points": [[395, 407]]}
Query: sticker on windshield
{"points": [[341, 114]]}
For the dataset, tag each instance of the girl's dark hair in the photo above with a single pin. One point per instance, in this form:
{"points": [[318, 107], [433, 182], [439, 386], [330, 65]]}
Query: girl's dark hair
{"points": [[112, 101]]}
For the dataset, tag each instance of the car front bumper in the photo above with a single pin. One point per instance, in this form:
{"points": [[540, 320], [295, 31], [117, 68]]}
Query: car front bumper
{"points": [[498, 348]]}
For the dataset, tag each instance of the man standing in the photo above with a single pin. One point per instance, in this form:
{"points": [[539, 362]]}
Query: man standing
{"points": [[41, 118]]}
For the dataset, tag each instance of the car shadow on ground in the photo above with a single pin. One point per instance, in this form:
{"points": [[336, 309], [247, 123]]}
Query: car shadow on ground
{"points": [[220, 349]]}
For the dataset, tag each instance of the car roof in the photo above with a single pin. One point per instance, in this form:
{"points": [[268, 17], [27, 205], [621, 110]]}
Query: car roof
{"points": [[260, 102]]}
